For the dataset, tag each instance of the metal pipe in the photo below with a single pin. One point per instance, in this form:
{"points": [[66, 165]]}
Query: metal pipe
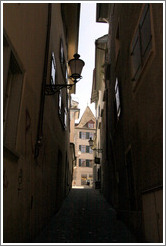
{"points": [[42, 100]]}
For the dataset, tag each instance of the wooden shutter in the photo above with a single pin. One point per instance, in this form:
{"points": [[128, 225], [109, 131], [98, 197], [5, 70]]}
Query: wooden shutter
{"points": [[79, 162], [87, 135], [80, 147], [87, 163], [145, 32], [136, 56], [80, 134], [87, 149]]}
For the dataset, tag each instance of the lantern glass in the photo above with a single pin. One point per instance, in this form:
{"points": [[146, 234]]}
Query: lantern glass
{"points": [[76, 66]]}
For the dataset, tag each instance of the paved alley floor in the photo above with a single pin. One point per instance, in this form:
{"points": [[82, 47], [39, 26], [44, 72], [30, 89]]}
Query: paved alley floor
{"points": [[85, 217]]}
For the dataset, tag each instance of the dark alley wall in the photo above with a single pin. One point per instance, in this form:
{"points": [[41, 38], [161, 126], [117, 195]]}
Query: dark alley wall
{"points": [[133, 119], [38, 161]]}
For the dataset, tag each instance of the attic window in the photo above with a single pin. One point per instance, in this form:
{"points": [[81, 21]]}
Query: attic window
{"points": [[90, 125]]}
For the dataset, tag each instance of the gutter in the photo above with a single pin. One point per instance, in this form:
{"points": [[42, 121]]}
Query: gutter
{"points": [[42, 101]]}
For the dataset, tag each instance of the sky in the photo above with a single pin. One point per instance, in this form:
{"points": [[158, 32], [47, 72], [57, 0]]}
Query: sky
{"points": [[89, 31]]}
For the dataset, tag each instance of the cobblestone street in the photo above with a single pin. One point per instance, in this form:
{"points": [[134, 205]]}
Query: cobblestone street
{"points": [[85, 217]]}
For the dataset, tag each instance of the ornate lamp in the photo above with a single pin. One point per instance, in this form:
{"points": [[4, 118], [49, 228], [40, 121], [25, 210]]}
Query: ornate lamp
{"points": [[91, 144], [76, 66]]}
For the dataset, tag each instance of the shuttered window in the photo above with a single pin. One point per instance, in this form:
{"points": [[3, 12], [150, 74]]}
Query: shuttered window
{"points": [[87, 163], [87, 135], [84, 135], [87, 149], [141, 44], [82, 148]]}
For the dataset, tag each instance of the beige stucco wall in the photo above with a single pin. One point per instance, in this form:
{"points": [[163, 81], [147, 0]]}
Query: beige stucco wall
{"points": [[34, 188], [82, 170]]}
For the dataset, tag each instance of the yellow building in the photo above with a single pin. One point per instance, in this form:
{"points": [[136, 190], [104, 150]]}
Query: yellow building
{"points": [[39, 39], [84, 130]]}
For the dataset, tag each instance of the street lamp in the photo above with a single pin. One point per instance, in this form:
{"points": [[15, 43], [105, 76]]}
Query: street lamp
{"points": [[76, 66], [91, 144]]}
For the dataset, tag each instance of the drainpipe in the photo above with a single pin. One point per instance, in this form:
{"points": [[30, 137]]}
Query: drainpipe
{"points": [[42, 101]]}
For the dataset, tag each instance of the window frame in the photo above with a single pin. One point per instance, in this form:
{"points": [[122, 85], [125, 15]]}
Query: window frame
{"points": [[117, 99], [63, 62], [135, 76], [53, 64], [13, 80]]}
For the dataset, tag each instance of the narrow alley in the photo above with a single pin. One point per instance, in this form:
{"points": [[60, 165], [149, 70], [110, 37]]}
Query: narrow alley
{"points": [[85, 217], [83, 122]]}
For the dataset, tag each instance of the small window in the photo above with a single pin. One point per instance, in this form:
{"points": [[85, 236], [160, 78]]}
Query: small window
{"points": [[53, 69], [90, 125], [62, 57], [82, 148], [87, 135], [142, 43], [60, 102], [63, 62], [65, 118], [82, 163], [87, 163], [89, 150], [117, 98], [82, 135], [91, 135]]}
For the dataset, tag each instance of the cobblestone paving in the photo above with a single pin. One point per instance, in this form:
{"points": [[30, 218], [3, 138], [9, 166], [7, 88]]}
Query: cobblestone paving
{"points": [[85, 217]]}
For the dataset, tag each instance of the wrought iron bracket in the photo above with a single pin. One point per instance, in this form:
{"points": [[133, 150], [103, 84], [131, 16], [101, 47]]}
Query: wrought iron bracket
{"points": [[52, 89]]}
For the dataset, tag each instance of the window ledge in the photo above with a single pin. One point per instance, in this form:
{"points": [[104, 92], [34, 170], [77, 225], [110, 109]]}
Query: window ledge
{"points": [[10, 153]]}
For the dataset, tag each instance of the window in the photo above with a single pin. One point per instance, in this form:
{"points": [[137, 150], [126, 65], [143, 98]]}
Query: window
{"points": [[117, 98], [63, 61], [62, 111], [82, 135], [91, 135], [85, 149], [53, 69], [82, 148], [60, 102], [85, 163], [89, 150], [13, 79], [86, 135], [90, 125], [141, 44], [83, 179], [65, 118], [82, 163]]}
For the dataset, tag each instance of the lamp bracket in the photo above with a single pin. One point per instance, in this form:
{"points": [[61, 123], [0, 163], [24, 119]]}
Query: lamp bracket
{"points": [[52, 89]]}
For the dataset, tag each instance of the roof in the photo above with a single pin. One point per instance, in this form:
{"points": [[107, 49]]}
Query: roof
{"points": [[86, 117]]}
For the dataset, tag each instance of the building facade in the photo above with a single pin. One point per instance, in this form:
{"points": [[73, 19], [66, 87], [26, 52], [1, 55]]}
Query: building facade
{"points": [[83, 171], [132, 118], [39, 40]]}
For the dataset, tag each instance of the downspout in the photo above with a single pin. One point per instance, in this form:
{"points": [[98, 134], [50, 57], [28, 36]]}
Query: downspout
{"points": [[42, 100]]}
